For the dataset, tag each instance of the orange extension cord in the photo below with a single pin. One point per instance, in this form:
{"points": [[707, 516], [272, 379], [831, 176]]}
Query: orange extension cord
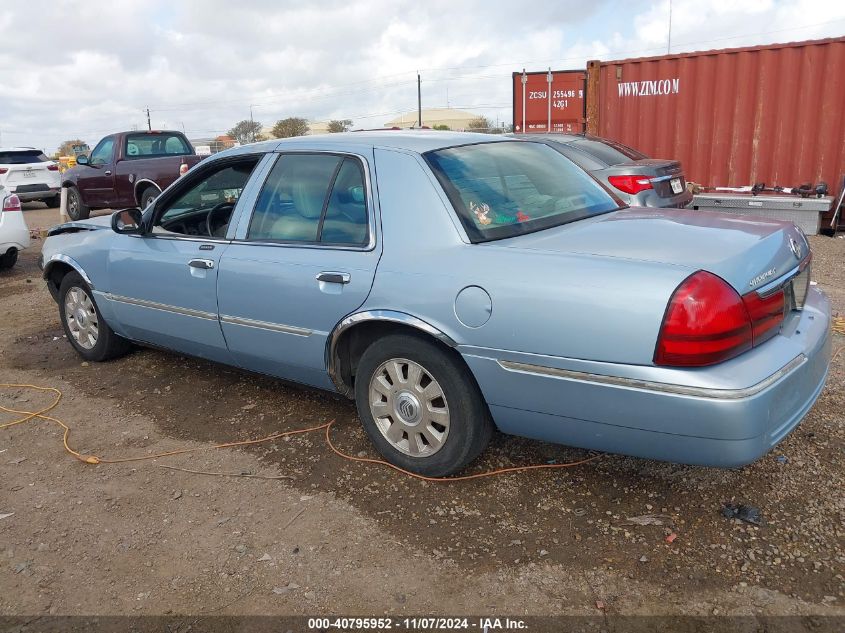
{"points": [[838, 327], [93, 459]]}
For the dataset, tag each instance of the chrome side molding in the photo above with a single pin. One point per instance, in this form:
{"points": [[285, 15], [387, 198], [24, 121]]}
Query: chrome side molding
{"points": [[648, 385]]}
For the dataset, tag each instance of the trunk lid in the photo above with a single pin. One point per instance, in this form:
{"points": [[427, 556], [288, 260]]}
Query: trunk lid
{"points": [[746, 252]]}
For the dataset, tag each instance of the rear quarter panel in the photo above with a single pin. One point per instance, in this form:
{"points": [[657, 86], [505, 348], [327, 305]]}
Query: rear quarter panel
{"points": [[575, 306]]}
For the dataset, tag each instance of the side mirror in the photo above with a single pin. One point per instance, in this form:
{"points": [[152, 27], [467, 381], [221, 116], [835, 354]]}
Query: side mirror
{"points": [[82, 159], [127, 221]]}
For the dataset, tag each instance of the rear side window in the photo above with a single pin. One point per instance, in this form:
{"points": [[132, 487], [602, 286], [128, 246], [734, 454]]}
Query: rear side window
{"points": [[609, 152], [158, 144], [314, 198], [22, 157]]}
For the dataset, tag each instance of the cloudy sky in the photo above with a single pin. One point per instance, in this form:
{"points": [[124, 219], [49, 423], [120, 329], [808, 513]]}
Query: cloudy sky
{"points": [[84, 69]]}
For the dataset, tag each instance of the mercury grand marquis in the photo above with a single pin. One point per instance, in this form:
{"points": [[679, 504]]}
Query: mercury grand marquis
{"points": [[453, 284]]}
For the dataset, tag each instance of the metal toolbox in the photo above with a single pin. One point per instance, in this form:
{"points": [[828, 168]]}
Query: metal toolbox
{"points": [[804, 212]]}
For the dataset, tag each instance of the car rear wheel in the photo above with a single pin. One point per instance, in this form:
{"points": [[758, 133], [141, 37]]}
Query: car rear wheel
{"points": [[8, 259], [76, 209], [147, 196], [84, 326], [420, 406]]}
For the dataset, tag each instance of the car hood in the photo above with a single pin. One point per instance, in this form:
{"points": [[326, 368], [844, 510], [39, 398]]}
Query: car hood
{"points": [[746, 252], [91, 224]]}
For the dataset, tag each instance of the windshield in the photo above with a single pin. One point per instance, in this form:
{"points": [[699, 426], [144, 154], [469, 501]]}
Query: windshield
{"points": [[504, 189]]}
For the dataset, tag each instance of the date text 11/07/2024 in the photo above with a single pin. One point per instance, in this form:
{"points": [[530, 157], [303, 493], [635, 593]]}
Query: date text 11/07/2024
{"points": [[417, 624]]}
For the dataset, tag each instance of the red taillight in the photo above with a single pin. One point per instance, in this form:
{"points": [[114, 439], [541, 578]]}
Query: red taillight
{"points": [[12, 203], [3, 170], [766, 314], [706, 323], [630, 184], [53, 167]]}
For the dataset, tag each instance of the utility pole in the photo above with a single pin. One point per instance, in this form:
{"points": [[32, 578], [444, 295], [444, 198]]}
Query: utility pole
{"points": [[149, 124], [549, 80], [524, 81], [419, 100], [669, 40]]}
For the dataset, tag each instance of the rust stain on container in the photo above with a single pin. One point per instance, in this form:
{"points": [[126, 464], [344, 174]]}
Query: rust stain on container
{"points": [[773, 114]]}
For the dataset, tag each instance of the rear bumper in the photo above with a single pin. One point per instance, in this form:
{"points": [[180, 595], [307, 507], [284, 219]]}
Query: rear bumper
{"points": [[693, 424], [649, 198], [40, 194]]}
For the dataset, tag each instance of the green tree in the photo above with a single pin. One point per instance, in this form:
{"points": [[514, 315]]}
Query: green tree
{"points": [[292, 126], [66, 148], [442, 127], [340, 125], [480, 124], [246, 131]]}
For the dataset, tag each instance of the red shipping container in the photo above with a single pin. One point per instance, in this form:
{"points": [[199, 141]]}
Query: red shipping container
{"points": [[564, 101], [773, 114]]}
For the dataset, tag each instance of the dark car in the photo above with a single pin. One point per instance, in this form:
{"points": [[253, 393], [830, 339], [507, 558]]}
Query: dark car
{"points": [[127, 169], [637, 179]]}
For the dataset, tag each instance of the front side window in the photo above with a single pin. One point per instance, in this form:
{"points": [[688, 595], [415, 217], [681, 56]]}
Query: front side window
{"points": [[206, 206], [316, 198], [504, 189], [155, 144], [103, 152]]}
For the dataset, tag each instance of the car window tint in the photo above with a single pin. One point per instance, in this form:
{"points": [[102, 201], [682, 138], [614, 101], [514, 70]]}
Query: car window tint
{"points": [[290, 206], [188, 210], [582, 159], [346, 214], [503, 189], [102, 154], [155, 144], [609, 152], [22, 157]]}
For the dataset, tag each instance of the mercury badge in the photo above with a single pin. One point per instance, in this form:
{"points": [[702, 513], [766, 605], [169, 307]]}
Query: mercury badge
{"points": [[762, 277], [795, 247]]}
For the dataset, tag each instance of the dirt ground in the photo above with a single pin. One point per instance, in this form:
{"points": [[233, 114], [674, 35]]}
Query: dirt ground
{"points": [[343, 537]]}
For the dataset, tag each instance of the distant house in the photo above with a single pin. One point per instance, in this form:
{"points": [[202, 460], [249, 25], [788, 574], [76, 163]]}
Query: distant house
{"points": [[457, 120]]}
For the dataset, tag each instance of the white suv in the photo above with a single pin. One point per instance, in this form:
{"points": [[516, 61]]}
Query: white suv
{"points": [[14, 234], [28, 173]]}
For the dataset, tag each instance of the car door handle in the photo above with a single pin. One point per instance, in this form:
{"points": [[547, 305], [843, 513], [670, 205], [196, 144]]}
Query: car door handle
{"points": [[108, 172], [334, 278], [204, 264]]}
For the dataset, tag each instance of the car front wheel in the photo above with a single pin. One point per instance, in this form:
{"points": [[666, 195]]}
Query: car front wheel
{"points": [[84, 326], [420, 406], [76, 209]]}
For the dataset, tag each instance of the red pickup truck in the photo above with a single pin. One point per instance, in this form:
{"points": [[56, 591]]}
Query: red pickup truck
{"points": [[127, 169]]}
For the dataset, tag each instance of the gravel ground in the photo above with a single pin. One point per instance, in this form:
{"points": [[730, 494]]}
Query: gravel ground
{"points": [[352, 538]]}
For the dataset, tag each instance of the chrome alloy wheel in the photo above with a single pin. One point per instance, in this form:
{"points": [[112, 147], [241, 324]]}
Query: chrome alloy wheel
{"points": [[409, 407], [81, 317]]}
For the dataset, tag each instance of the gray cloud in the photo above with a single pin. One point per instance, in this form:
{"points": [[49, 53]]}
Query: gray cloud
{"points": [[84, 69]]}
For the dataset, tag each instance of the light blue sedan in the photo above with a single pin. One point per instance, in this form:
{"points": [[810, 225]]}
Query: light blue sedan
{"points": [[453, 284]]}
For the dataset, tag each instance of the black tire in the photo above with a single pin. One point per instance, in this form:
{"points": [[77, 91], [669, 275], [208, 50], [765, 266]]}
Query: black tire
{"points": [[108, 344], [53, 203], [147, 196], [76, 209], [469, 427], [8, 259]]}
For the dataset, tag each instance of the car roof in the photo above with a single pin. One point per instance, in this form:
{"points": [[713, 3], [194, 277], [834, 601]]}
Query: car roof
{"points": [[418, 141], [19, 149]]}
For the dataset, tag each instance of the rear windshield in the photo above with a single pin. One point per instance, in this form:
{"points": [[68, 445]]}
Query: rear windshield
{"points": [[504, 189], [22, 157], [610, 152], [159, 144]]}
